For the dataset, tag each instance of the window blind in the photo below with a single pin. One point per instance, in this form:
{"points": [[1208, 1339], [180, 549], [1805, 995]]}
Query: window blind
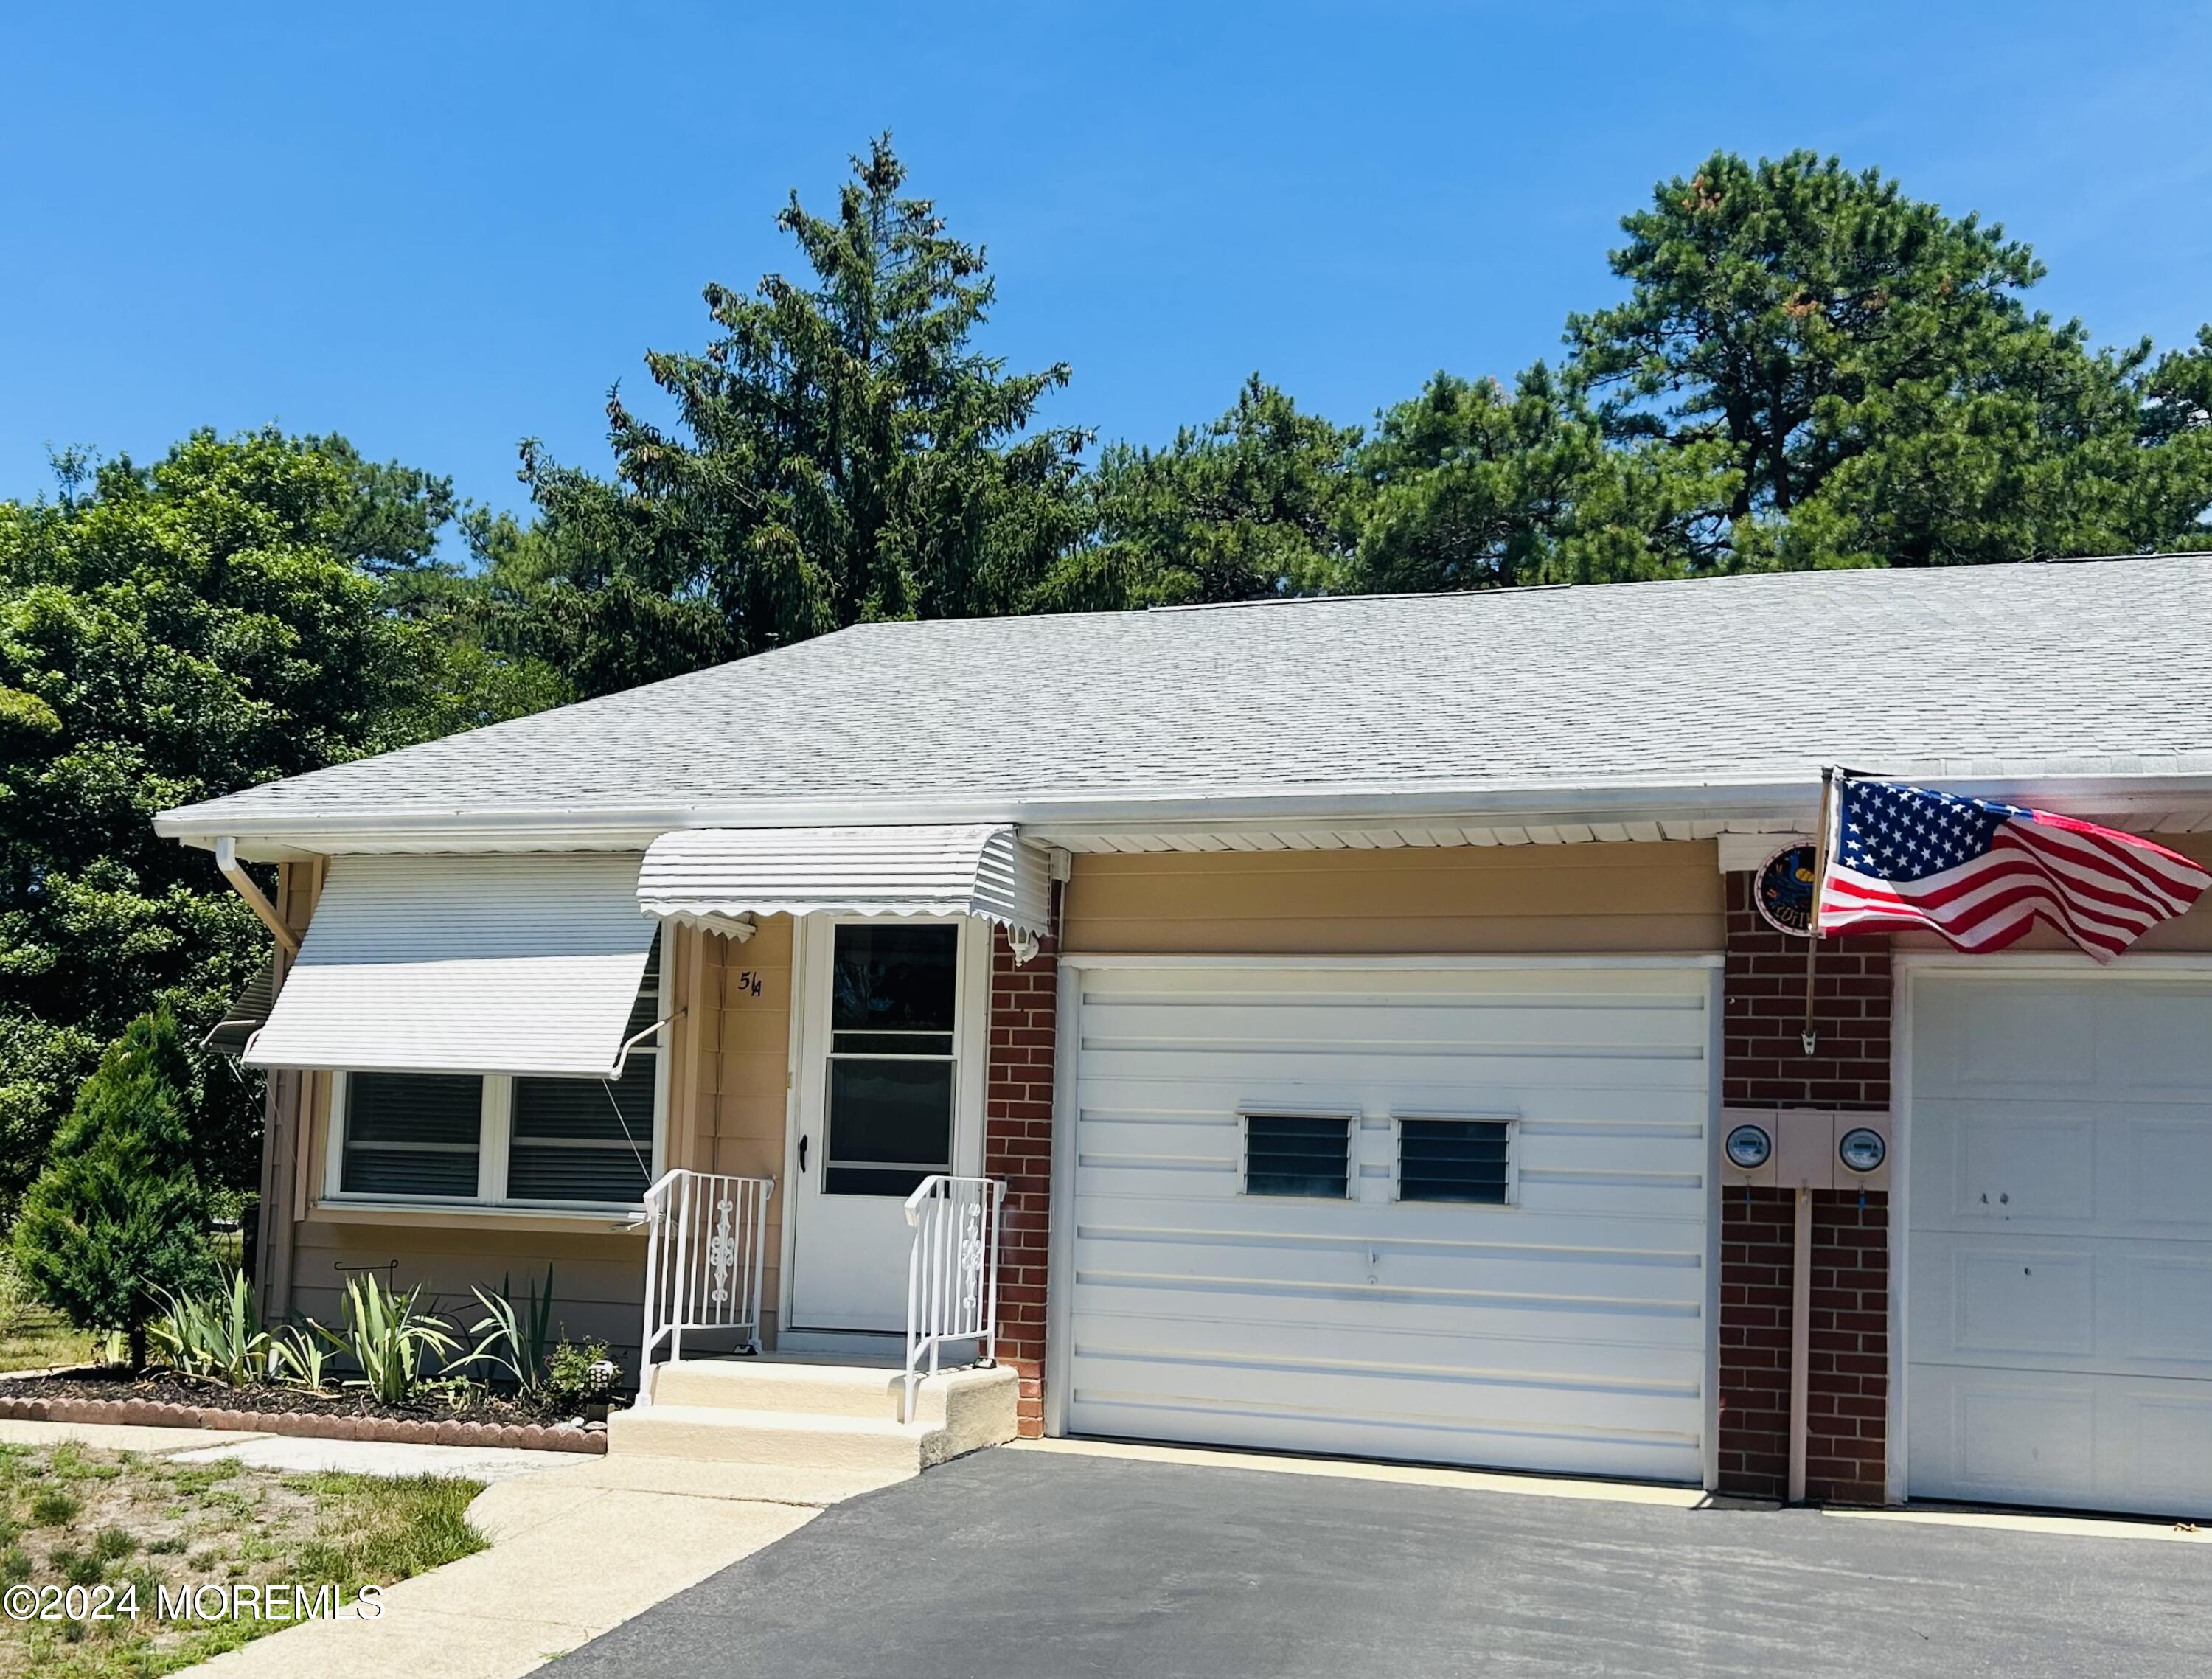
{"points": [[412, 1133], [589, 1140]]}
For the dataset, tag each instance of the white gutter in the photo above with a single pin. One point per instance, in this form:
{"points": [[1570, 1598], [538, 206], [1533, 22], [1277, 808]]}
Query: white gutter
{"points": [[225, 859], [1795, 798]]}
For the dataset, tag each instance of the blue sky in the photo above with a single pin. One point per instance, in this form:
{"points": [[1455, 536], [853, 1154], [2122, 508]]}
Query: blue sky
{"points": [[440, 229]]}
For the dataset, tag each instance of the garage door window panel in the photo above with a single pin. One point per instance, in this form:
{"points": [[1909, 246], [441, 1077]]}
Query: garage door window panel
{"points": [[1307, 1156], [1464, 1160]]}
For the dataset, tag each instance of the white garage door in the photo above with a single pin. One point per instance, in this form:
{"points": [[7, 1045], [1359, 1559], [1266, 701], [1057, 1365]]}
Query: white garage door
{"points": [[2059, 1275], [1313, 1296]]}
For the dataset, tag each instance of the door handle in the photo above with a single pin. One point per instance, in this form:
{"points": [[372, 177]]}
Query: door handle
{"points": [[802, 1151]]}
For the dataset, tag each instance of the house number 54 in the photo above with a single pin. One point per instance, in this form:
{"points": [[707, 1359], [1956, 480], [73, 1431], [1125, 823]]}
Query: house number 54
{"points": [[749, 984]]}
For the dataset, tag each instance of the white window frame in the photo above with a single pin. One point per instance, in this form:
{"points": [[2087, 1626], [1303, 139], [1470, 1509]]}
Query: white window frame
{"points": [[1510, 1121], [494, 1133], [1245, 1114]]}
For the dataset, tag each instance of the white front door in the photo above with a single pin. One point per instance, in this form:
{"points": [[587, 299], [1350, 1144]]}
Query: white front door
{"points": [[890, 1090], [2059, 1271], [1456, 1212]]}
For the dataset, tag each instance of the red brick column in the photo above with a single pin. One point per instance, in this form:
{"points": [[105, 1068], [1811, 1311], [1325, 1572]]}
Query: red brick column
{"points": [[1018, 1148], [1764, 1065]]}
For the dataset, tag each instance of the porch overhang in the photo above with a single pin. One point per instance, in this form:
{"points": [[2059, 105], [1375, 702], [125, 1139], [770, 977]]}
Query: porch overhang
{"points": [[490, 964], [719, 877]]}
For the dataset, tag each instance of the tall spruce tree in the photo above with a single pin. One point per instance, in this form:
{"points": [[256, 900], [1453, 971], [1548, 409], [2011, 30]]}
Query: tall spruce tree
{"points": [[119, 1215], [840, 452]]}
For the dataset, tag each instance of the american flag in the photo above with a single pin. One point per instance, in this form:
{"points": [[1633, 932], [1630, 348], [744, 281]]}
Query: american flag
{"points": [[1981, 872]]}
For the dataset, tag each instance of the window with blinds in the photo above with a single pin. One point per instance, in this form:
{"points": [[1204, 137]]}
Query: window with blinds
{"points": [[1297, 1154], [412, 1133], [590, 1139], [1454, 1160]]}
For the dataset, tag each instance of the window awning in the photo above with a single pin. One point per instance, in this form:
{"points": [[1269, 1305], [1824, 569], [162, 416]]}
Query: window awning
{"points": [[714, 876], [247, 1013], [508, 964]]}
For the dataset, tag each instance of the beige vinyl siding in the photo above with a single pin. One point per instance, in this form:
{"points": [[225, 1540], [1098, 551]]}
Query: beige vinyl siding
{"points": [[744, 1082], [598, 1277], [1657, 896]]}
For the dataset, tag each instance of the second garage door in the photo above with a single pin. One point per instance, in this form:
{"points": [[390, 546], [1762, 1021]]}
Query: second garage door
{"points": [[1451, 1214], [2060, 1268]]}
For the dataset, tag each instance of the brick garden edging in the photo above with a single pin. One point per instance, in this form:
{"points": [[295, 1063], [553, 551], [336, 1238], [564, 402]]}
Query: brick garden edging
{"points": [[153, 1413]]}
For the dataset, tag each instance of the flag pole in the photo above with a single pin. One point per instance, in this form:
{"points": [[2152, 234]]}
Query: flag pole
{"points": [[1809, 1037]]}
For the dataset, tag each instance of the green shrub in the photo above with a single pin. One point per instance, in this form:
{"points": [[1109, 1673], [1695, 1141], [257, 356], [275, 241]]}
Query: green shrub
{"points": [[119, 1214], [577, 1376], [387, 1337], [516, 1342], [216, 1334], [299, 1356]]}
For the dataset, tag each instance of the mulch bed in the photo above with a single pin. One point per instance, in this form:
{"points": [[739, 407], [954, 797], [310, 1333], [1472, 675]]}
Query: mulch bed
{"points": [[165, 1400]]}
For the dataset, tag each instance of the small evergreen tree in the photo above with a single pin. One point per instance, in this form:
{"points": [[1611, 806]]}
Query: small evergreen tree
{"points": [[120, 1214]]}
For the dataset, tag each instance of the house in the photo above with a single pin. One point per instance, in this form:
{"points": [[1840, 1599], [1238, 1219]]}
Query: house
{"points": [[1336, 1008]]}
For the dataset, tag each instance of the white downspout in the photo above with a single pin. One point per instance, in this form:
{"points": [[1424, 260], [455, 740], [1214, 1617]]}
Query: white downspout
{"points": [[225, 859]]}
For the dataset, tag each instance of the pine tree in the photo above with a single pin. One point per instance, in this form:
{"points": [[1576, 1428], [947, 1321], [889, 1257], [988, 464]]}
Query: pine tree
{"points": [[120, 1214], [840, 452]]}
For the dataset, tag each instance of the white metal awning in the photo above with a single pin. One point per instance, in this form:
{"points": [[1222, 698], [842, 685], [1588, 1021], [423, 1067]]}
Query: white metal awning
{"points": [[714, 876], [464, 965]]}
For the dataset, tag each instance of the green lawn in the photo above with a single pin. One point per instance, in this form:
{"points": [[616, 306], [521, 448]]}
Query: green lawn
{"points": [[33, 1338], [121, 1528]]}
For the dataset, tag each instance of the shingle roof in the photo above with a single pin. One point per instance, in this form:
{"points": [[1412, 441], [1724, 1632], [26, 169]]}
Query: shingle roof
{"points": [[2094, 668]]}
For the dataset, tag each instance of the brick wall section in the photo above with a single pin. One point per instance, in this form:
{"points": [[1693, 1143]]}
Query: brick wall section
{"points": [[1754, 1328], [1018, 1148], [1848, 1405], [1764, 1063], [1764, 1066]]}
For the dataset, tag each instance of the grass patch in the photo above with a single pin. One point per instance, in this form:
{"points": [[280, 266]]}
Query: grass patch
{"points": [[115, 1522], [36, 1337]]}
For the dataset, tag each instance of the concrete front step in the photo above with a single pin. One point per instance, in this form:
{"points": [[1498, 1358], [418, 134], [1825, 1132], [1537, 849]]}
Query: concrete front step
{"points": [[713, 1433], [827, 1415], [771, 1383]]}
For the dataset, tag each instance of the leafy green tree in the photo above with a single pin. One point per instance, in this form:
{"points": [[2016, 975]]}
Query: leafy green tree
{"points": [[168, 634], [1880, 389], [119, 1215], [1261, 501], [840, 452]]}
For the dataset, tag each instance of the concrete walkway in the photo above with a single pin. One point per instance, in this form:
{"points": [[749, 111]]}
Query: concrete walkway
{"points": [[578, 1545]]}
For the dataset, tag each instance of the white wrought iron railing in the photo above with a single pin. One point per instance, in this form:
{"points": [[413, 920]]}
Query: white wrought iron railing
{"points": [[952, 1272], [706, 1245]]}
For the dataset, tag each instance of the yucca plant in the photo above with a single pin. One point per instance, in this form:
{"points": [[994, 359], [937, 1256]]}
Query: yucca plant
{"points": [[511, 1341], [299, 1357], [217, 1335], [387, 1335]]}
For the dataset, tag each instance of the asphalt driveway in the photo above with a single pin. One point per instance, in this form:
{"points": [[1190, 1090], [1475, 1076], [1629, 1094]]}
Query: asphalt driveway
{"points": [[1064, 1568]]}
